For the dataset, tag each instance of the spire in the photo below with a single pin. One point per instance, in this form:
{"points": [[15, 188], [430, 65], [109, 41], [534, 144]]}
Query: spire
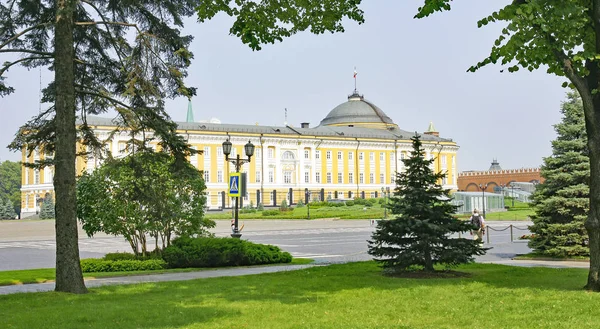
{"points": [[495, 165], [431, 128], [190, 113]]}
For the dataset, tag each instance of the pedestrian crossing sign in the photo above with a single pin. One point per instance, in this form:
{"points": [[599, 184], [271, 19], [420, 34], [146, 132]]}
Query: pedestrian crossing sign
{"points": [[234, 185]]}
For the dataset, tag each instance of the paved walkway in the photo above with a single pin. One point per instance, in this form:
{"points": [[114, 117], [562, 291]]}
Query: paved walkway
{"points": [[49, 286], [41, 287]]}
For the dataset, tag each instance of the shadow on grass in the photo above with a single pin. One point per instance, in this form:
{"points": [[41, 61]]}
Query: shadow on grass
{"points": [[132, 306]]}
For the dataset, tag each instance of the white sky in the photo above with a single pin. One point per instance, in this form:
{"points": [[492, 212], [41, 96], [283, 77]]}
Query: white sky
{"points": [[414, 70]]}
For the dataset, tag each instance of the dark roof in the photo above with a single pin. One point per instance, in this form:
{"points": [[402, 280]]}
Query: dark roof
{"points": [[320, 131]]}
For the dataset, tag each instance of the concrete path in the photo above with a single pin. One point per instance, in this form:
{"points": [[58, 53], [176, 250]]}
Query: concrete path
{"points": [[49, 286]]}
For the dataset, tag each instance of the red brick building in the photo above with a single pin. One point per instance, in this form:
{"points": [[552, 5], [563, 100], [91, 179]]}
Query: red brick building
{"points": [[496, 177]]}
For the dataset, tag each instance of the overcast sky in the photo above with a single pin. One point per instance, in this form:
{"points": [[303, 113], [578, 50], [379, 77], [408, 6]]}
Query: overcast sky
{"points": [[414, 70]]}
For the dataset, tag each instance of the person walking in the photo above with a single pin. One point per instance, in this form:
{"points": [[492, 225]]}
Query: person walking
{"points": [[478, 223]]}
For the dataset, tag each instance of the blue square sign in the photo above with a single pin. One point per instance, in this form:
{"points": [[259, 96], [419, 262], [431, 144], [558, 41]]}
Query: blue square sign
{"points": [[234, 184]]}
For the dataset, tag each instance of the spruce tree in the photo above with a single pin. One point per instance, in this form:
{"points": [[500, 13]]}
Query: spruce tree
{"points": [[47, 210], [9, 210], [561, 203], [419, 235], [3, 212]]}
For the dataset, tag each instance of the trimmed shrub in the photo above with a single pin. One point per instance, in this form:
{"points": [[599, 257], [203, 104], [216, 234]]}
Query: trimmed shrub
{"points": [[187, 252], [283, 206], [101, 265], [350, 203], [300, 204], [119, 256], [270, 212]]}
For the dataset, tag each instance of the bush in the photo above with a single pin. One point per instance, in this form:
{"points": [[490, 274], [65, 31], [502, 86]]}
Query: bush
{"points": [[119, 256], [270, 212], [260, 207], [215, 252], [300, 204], [283, 206], [101, 265], [350, 203]]}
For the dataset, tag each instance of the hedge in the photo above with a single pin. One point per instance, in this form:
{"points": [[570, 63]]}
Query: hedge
{"points": [[215, 252], [102, 265]]}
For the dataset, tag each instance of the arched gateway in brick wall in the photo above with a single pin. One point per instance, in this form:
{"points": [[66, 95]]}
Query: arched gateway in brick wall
{"points": [[496, 177]]}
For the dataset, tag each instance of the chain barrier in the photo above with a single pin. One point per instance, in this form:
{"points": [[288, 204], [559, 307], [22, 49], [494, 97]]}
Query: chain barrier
{"points": [[511, 227]]}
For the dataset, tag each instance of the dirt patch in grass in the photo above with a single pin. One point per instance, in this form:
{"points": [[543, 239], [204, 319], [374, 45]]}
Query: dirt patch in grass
{"points": [[429, 275]]}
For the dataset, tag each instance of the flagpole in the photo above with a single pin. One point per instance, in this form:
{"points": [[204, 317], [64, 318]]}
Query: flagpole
{"points": [[355, 74]]}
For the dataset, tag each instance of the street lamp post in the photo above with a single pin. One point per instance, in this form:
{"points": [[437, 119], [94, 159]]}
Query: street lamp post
{"points": [[512, 194], [237, 162], [385, 202], [307, 199], [483, 187]]}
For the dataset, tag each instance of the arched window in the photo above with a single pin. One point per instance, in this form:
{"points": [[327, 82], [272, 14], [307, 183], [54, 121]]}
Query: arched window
{"points": [[288, 155]]}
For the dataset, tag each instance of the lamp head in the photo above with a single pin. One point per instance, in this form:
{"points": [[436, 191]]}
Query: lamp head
{"points": [[249, 148], [227, 148]]}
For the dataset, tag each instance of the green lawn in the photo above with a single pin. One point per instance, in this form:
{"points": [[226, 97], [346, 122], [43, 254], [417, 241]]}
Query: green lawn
{"points": [[353, 295], [520, 211], [345, 212], [48, 274], [538, 256]]}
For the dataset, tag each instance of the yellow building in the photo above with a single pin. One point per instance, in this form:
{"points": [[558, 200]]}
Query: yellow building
{"points": [[354, 152]]}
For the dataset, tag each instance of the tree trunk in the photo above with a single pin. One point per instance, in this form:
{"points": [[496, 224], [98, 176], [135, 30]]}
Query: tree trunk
{"points": [[428, 261], [68, 269], [592, 224]]}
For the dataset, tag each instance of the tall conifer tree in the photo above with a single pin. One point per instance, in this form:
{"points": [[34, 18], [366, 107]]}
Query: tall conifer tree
{"points": [[561, 203], [420, 233], [128, 56]]}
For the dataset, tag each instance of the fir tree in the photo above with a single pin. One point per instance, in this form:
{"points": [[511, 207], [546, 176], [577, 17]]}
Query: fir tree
{"points": [[9, 210], [3, 212], [561, 203], [420, 233], [47, 210]]}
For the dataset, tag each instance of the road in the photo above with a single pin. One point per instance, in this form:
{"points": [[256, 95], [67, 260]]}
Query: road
{"points": [[30, 244]]}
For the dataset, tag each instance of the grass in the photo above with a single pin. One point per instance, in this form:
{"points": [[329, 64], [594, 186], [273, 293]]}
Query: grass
{"points": [[538, 256], [520, 211], [48, 274], [344, 212], [354, 295]]}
